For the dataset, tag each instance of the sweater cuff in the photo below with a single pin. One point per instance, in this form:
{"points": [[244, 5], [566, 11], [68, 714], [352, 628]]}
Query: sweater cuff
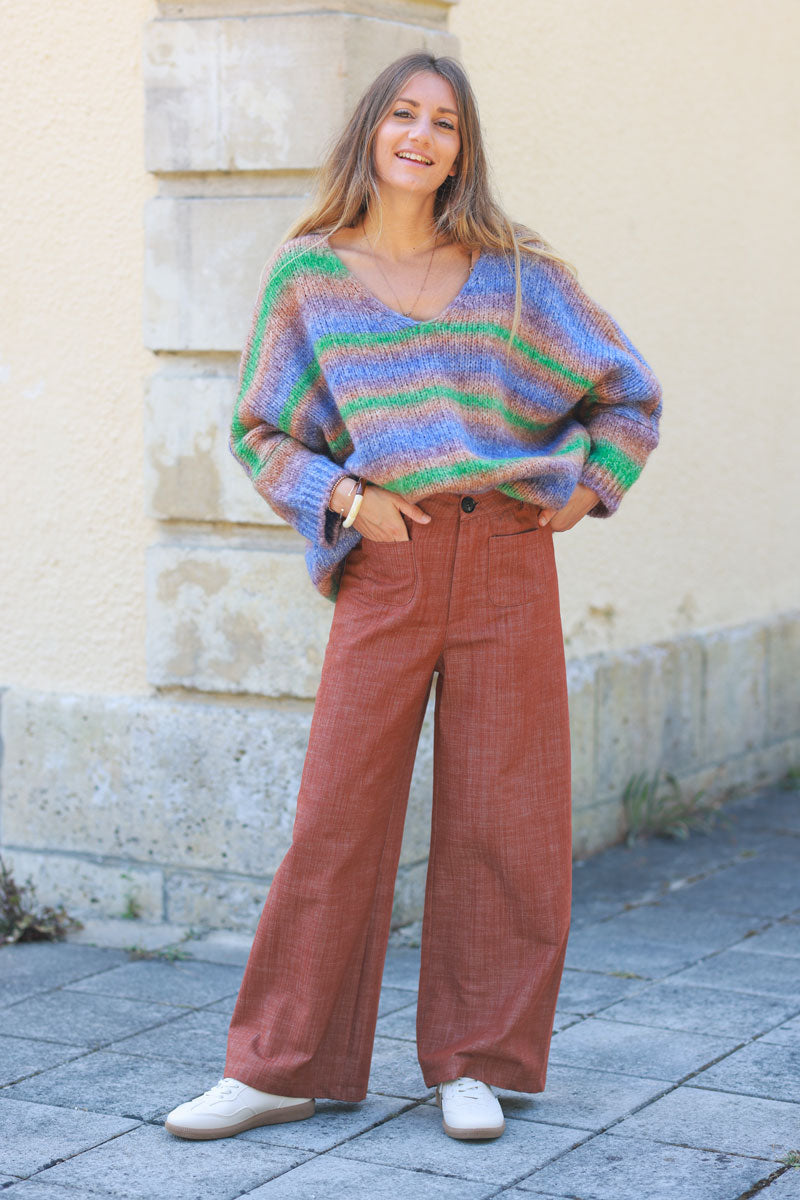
{"points": [[620, 446]]}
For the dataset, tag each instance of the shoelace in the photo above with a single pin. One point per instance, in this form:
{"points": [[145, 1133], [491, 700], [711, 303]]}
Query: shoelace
{"points": [[223, 1089], [466, 1086]]}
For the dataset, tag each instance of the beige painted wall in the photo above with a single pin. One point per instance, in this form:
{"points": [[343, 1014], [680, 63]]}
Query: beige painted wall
{"points": [[72, 364], [655, 146]]}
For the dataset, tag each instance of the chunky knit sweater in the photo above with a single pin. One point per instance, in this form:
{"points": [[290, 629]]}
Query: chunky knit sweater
{"points": [[333, 382]]}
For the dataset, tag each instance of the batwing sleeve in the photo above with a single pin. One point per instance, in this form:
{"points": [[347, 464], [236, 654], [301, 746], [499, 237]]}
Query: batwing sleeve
{"points": [[276, 433], [621, 408]]}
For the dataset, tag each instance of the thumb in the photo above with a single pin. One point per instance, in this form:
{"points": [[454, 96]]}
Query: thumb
{"points": [[545, 515], [414, 511]]}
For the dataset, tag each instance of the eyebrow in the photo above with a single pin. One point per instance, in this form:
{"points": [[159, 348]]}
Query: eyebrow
{"points": [[408, 100]]}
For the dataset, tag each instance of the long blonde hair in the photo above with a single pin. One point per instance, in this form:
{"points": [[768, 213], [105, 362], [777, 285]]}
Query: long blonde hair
{"points": [[464, 209]]}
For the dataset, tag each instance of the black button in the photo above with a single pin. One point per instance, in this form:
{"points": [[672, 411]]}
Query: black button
{"points": [[467, 503]]}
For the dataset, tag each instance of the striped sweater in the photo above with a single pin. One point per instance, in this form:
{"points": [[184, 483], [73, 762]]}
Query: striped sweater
{"points": [[333, 382]]}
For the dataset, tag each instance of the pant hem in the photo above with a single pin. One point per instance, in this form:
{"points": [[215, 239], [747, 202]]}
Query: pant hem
{"points": [[291, 1087]]}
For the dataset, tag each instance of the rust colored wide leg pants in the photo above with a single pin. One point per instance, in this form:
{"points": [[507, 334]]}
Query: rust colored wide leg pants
{"points": [[473, 596]]}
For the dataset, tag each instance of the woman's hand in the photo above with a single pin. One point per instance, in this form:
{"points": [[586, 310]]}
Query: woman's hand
{"points": [[379, 517], [582, 499]]}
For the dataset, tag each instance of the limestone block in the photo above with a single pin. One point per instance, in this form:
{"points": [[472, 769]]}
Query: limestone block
{"points": [[204, 258], [630, 717], [581, 686], [88, 886], [263, 93], [214, 901], [237, 620], [190, 473], [783, 699], [735, 698], [597, 826], [151, 781]]}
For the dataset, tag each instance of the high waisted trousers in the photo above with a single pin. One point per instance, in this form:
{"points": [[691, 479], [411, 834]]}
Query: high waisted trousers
{"points": [[473, 596]]}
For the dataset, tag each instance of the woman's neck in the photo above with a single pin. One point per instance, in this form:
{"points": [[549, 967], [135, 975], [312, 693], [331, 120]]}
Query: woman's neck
{"points": [[399, 235]]}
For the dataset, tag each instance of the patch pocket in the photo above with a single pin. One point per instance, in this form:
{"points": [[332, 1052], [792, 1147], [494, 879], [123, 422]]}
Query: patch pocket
{"points": [[519, 566], [386, 572]]}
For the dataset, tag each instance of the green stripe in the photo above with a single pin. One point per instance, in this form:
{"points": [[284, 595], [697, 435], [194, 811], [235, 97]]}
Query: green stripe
{"points": [[619, 465], [293, 265], [478, 400], [490, 329], [469, 473]]}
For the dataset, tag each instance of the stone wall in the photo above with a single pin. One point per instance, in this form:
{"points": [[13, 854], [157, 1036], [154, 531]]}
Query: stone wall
{"points": [[185, 804], [179, 805]]}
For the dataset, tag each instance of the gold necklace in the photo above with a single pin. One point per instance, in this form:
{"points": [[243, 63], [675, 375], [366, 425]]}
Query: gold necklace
{"points": [[406, 313]]}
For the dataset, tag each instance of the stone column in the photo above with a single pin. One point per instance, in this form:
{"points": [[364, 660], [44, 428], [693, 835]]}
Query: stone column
{"points": [[241, 101]]}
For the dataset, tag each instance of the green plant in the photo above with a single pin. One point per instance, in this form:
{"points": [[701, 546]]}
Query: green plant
{"points": [[170, 954], [791, 1158], [19, 919], [653, 807], [791, 780]]}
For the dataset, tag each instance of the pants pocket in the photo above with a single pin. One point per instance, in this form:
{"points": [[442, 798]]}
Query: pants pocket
{"points": [[519, 566], [384, 572]]}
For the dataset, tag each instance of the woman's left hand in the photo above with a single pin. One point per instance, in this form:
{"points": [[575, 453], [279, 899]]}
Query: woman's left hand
{"points": [[579, 503]]}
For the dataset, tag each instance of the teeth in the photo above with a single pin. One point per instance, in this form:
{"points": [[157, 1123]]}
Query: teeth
{"points": [[415, 158]]}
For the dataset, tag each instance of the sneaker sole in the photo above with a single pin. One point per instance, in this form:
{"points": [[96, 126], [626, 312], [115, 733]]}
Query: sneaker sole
{"points": [[488, 1131], [274, 1116]]}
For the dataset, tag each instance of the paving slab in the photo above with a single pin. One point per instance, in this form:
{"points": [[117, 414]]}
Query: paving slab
{"points": [[150, 1162], [716, 1011], [666, 1054], [786, 1034], [179, 983], [196, 1037], [82, 1019], [31, 1189], [334, 1122], [781, 938], [579, 1097], [703, 932], [609, 1168], [395, 1070], [115, 1083], [31, 967], [36, 1134], [771, 808], [588, 992], [20, 1057], [785, 1187], [759, 1069], [766, 888], [773, 975], [401, 969], [732, 1124], [415, 1140], [401, 1023], [329, 1176], [605, 948]]}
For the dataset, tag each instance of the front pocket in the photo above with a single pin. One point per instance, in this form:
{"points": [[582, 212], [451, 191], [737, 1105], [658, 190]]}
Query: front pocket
{"points": [[519, 566], [385, 572]]}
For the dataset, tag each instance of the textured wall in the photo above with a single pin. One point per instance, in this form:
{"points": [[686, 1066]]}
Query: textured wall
{"points": [[72, 360], [654, 145]]}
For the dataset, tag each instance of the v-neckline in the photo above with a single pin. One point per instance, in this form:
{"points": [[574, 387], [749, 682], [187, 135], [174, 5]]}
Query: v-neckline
{"points": [[379, 305]]}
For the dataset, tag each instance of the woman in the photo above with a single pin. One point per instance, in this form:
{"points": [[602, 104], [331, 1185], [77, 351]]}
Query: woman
{"points": [[427, 395]]}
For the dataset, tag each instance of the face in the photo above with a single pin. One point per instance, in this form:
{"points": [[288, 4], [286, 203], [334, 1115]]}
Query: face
{"points": [[423, 120]]}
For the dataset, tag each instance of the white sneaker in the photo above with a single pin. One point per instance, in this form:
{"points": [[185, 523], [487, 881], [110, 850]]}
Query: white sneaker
{"points": [[470, 1108], [230, 1107]]}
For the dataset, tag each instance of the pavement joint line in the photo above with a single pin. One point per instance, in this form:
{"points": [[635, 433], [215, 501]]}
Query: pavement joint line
{"points": [[760, 1184]]}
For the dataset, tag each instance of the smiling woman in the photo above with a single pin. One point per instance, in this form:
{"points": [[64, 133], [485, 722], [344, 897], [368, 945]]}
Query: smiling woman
{"points": [[426, 394]]}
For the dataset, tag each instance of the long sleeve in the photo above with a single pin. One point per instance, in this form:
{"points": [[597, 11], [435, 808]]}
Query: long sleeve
{"points": [[276, 431], [622, 407]]}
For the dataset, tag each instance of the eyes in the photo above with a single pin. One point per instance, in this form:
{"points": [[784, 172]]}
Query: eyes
{"points": [[444, 122]]}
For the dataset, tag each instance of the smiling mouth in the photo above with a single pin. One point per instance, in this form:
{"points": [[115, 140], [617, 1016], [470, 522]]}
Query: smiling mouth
{"points": [[411, 159]]}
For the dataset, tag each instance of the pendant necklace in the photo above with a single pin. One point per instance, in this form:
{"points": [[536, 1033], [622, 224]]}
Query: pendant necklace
{"points": [[406, 313]]}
